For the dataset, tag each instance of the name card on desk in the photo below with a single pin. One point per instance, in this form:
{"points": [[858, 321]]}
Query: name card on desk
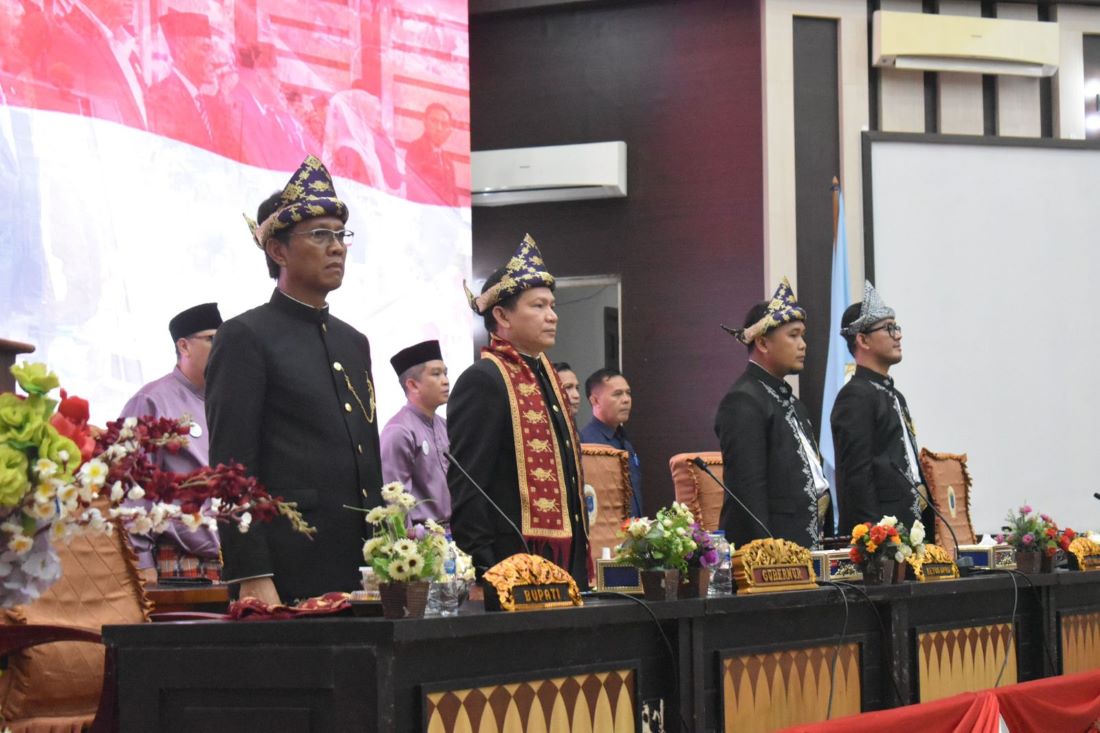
{"points": [[835, 565], [527, 583], [768, 566], [617, 576], [990, 556]]}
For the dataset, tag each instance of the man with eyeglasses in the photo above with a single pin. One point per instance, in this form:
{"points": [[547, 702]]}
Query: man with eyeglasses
{"points": [[290, 395], [877, 470], [181, 552]]}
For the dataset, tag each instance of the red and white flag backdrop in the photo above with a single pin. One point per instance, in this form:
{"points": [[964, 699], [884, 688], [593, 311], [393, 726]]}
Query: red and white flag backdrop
{"points": [[134, 134]]}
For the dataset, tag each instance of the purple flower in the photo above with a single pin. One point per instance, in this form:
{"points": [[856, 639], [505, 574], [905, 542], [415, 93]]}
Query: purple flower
{"points": [[1029, 538], [1046, 518], [1000, 539], [1025, 509], [710, 559], [418, 532]]}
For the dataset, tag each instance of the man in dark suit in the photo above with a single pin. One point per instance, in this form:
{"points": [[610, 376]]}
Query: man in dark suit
{"points": [[771, 460], [877, 470], [431, 175], [509, 427], [289, 394], [177, 106]]}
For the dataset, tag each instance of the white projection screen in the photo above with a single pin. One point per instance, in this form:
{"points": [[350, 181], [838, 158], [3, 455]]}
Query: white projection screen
{"points": [[988, 253], [135, 133]]}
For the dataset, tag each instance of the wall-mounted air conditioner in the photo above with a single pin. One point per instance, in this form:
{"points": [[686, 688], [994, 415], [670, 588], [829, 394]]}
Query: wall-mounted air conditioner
{"points": [[934, 42], [554, 173]]}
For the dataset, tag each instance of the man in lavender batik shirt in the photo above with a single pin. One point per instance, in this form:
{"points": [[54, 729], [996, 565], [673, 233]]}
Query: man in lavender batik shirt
{"points": [[180, 551], [415, 439]]}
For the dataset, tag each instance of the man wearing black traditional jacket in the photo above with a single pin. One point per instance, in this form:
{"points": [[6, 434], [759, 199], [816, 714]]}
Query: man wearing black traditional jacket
{"points": [[770, 459], [289, 394], [877, 470], [510, 429]]}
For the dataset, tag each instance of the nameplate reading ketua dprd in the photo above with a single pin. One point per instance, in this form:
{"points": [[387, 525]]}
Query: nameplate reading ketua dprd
{"points": [[767, 566], [933, 564]]}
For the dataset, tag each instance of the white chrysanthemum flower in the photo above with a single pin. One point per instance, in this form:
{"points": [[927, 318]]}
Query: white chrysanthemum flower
{"points": [[415, 564], [376, 515], [135, 494], [20, 544], [398, 570], [434, 527], [43, 510], [45, 491], [246, 522], [407, 501], [11, 528], [95, 472], [372, 547], [916, 534], [404, 547], [68, 494], [45, 468], [61, 532], [392, 492], [889, 521]]}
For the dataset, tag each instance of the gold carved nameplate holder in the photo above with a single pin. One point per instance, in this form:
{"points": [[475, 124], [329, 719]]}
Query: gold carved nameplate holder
{"points": [[769, 565], [529, 583], [1084, 554], [934, 564]]}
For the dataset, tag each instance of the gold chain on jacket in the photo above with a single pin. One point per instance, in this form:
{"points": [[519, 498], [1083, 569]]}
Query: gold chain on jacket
{"points": [[370, 388]]}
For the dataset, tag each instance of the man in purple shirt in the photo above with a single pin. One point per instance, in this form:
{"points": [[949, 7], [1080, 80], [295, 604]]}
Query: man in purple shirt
{"points": [[415, 439], [181, 552]]}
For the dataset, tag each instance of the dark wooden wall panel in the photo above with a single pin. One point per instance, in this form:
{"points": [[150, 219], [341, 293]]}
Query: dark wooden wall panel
{"points": [[816, 160], [681, 84]]}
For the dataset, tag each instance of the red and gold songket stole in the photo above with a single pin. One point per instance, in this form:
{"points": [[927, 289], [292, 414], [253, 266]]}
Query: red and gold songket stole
{"points": [[543, 487]]}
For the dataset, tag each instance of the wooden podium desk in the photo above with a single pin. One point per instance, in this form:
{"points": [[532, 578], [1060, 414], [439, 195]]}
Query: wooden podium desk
{"points": [[763, 661]]}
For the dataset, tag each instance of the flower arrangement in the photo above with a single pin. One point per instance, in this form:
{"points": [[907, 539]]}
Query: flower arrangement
{"points": [[60, 478], [1028, 531], [671, 541], [888, 538], [399, 552]]}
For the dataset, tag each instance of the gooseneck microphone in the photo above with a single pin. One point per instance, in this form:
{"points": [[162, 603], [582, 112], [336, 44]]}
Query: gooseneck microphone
{"points": [[1096, 494], [964, 564], [485, 495], [702, 466]]}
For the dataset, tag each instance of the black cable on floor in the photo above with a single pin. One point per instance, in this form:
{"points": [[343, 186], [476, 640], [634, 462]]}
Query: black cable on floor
{"points": [[660, 630]]}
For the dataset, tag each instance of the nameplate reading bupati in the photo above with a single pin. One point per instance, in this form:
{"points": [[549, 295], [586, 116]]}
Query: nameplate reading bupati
{"points": [[532, 597]]}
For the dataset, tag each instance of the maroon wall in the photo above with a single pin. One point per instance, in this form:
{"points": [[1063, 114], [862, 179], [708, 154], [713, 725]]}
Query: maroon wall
{"points": [[680, 82]]}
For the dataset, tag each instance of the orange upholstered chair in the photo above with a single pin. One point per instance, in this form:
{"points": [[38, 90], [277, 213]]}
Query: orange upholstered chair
{"points": [[55, 672], [607, 471], [698, 490], [949, 488]]}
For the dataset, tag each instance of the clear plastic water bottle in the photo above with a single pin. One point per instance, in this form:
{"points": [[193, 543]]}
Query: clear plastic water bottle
{"points": [[449, 587], [721, 579]]}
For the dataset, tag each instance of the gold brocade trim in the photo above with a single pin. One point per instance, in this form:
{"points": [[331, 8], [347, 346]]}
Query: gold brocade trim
{"points": [[521, 462], [370, 398]]}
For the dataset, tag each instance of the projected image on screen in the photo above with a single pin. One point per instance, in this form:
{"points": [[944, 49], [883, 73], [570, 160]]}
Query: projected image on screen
{"points": [[134, 134], [988, 254]]}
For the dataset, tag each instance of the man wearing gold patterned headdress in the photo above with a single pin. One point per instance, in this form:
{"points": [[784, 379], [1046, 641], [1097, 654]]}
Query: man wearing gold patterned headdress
{"points": [[771, 461], [289, 394], [509, 426]]}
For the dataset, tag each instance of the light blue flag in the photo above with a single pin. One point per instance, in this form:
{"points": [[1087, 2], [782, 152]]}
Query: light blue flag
{"points": [[840, 363]]}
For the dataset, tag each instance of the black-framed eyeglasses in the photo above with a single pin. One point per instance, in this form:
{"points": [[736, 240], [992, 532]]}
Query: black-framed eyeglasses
{"points": [[893, 330], [321, 237]]}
